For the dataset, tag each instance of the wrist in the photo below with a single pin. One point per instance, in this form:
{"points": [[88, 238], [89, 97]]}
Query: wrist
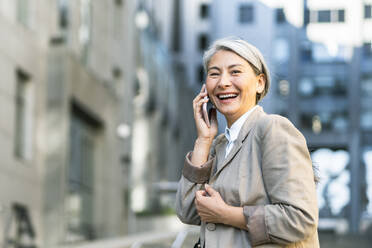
{"points": [[203, 141], [200, 152], [225, 215]]}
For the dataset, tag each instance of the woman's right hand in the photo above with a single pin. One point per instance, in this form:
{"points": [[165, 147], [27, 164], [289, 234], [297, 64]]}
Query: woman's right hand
{"points": [[205, 133]]}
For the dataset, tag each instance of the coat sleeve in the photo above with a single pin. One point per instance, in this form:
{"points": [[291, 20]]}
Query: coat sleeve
{"points": [[193, 179], [292, 214]]}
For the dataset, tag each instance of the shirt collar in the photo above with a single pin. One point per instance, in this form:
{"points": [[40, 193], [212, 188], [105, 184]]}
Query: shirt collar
{"points": [[232, 133]]}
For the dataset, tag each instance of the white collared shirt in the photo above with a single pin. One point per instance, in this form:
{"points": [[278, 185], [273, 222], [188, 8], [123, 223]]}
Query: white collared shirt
{"points": [[232, 133]]}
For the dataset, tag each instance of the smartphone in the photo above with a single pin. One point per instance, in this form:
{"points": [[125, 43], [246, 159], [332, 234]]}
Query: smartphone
{"points": [[207, 110]]}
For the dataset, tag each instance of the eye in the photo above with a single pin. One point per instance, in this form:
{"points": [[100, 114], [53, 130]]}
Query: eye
{"points": [[213, 74], [235, 72]]}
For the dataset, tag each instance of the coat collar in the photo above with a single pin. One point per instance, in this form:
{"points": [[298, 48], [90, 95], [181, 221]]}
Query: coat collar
{"points": [[221, 140]]}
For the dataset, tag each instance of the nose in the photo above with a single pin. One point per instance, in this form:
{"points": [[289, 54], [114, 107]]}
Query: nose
{"points": [[224, 81]]}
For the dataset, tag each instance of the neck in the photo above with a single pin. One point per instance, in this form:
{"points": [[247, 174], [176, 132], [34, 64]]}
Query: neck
{"points": [[231, 119]]}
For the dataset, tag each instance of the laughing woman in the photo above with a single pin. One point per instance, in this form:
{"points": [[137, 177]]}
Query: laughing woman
{"points": [[253, 185]]}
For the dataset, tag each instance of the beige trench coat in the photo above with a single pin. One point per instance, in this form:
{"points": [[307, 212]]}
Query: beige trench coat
{"points": [[268, 173]]}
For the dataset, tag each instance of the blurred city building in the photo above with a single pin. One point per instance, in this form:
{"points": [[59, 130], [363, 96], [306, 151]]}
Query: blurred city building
{"points": [[163, 126], [62, 92], [96, 114], [93, 119]]}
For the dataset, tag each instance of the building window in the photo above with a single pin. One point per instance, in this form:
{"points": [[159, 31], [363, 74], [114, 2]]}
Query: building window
{"points": [[306, 16], [327, 16], [118, 20], [367, 49], [85, 28], [204, 11], [203, 42], [324, 16], [83, 132], [366, 93], [367, 157], [306, 87], [63, 13], [200, 74], [322, 85], [119, 3], [246, 13], [284, 88], [23, 115], [306, 52], [280, 16], [333, 189], [281, 50], [367, 11], [325, 121], [177, 27], [23, 12], [340, 15]]}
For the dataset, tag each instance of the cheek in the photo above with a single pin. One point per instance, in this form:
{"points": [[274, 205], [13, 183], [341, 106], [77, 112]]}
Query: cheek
{"points": [[246, 86], [210, 85]]}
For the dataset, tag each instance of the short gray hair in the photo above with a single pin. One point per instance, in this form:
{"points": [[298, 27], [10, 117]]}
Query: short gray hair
{"points": [[245, 50]]}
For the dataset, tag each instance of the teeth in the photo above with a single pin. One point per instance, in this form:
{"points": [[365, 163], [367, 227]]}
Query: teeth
{"points": [[226, 96]]}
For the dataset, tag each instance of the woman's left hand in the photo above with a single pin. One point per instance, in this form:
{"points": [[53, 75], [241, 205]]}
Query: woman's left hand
{"points": [[210, 205]]}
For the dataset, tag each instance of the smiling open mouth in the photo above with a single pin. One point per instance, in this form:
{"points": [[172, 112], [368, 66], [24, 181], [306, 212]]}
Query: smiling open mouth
{"points": [[227, 96]]}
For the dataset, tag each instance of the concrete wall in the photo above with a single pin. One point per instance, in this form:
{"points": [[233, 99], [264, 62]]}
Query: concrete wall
{"points": [[58, 78]]}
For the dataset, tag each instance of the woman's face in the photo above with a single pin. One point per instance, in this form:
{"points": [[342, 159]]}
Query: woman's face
{"points": [[232, 84]]}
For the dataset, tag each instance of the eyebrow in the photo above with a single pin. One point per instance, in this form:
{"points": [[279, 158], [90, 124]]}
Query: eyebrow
{"points": [[217, 68]]}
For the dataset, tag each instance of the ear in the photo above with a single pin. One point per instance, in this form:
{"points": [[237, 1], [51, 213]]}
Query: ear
{"points": [[261, 82]]}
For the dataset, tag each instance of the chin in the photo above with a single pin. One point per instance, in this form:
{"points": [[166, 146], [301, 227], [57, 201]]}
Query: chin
{"points": [[228, 112]]}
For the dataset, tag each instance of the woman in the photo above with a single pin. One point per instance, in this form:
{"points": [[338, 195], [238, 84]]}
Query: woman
{"points": [[254, 184]]}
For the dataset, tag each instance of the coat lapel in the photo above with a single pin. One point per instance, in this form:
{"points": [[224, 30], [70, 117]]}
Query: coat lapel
{"points": [[247, 126]]}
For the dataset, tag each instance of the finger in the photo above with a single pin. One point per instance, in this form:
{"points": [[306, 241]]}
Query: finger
{"points": [[198, 98], [202, 93], [202, 88], [210, 190], [199, 194], [199, 105]]}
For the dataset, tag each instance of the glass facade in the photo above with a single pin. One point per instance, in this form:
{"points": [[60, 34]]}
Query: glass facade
{"points": [[325, 53], [366, 102], [368, 11], [333, 189], [85, 30], [80, 180], [204, 11], [327, 16], [367, 49], [63, 13], [203, 42], [22, 113], [280, 15], [367, 162], [281, 50], [23, 12], [246, 13]]}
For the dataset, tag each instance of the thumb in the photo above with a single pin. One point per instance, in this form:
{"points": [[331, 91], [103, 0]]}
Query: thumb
{"points": [[210, 190]]}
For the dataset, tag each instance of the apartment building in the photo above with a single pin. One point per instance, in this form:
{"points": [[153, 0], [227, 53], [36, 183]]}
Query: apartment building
{"points": [[163, 126], [63, 93]]}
